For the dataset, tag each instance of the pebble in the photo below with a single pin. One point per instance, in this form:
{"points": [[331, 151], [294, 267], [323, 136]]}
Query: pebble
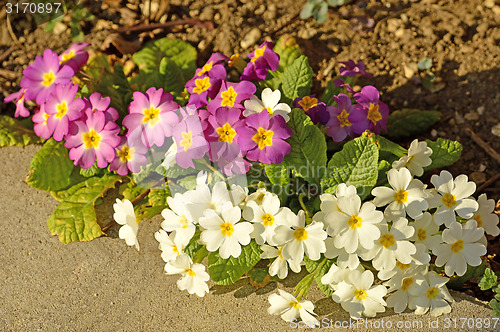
{"points": [[270, 13], [410, 69], [59, 28], [259, 11], [478, 177], [251, 38], [489, 3], [495, 130], [482, 168], [207, 14], [483, 27], [459, 118], [471, 116], [434, 133], [307, 33]]}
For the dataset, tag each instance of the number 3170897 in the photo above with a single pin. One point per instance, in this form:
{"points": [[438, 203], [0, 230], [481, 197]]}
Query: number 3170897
{"points": [[32, 8]]}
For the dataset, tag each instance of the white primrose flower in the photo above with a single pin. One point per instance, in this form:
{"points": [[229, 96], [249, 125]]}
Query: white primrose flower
{"points": [[392, 246], [418, 157], [169, 160], [178, 216], [257, 196], [329, 201], [431, 293], [270, 103], [238, 194], [280, 265], [407, 195], [452, 197], [344, 259], [225, 232], [193, 276], [426, 232], [298, 238], [266, 218], [125, 216], [356, 225], [336, 275], [404, 287], [202, 198], [357, 295], [289, 308], [485, 217], [460, 248], [421, 257], [171, 245]]}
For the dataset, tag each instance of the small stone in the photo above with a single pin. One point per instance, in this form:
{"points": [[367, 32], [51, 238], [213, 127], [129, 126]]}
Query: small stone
{"points": [[207, 14], [496, 10], [459, 118], [471, 116], [251, 38], [259, 11], [489, 3], [307, 33], [480, 110], [393, 24], [482, 168], [483, 27], [59, 28], [410, 69], [495, 130], [478, 177], [434, 133], [452, 122], [466, 49], [270, 13], [437, 87]]}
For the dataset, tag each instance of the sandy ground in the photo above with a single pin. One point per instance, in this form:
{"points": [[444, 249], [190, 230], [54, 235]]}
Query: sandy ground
{"points": [[105, 285]]}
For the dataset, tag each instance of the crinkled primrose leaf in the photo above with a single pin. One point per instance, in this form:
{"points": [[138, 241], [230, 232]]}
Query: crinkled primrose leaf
{"points": [[297, 79], [13, 133], [410, 122], [445, 152]]}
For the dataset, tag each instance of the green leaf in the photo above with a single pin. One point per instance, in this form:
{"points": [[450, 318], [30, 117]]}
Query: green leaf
{"points": [[228, 271], [296, 79], [383, 167], [311, 267], [288, 50], [489, 280], [173, 79], [388, 146], [356, 164], [13, 133], [51, 167], [74, 219], [158, 197], [495, 305], [444, 153], [424, 63], [410, 122], [279, 176], [130, 190], [193, 245], [183, 54], [307, 157], [331, 90], [260, 278], [92, 171]]}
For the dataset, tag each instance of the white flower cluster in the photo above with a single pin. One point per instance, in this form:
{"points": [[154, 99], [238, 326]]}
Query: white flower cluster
{"points": [[395, 234]]}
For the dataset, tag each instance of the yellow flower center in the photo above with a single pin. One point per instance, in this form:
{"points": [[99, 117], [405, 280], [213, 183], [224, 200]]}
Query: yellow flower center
{"points": [[233, 59], [190, 272], [355, 222], [263, 138], [280, 255], [269, 110], [401, 196], [344, 119], [46, 116], [258, 53], [48, 78], [151, 116], [360, 294], [406, 283], [184, 221], [421, 234], [68, 56], [175, 249], [226, 133], [202, 84], [432, 293], [402, 266], [260, 197], [91, 139], [478, 219], [267, 220], [206, 68], [187, 140], [387, 240], [307, 103], [449, 200], [374, 114], [226, 229], [300, 234], [457, 246], [228, 97], [61, 108], [295, 305], [125, 153]]}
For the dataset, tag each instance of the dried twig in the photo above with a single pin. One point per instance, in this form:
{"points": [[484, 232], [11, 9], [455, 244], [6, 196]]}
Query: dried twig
{"points": [[6, 53], [485, 146], [12, 34], [487, 183]]}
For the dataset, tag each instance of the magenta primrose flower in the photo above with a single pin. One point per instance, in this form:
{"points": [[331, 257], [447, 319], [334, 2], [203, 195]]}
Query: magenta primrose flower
{"points": [[64, 108], [91, 139], [342, 84], [352, 69], [375, 110], [231, 95], [263, 138], [19, 98], [345, 119], [130, 155], [261, 60], [214, 67], [153, 114], [222, 135], [200, 88], [191, 143], [40, 126], [97, 103], [313, 107], [42, 76], [75, 56]]}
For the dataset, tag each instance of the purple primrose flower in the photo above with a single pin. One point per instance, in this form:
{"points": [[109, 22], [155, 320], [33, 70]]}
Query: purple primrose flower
{"points": [[191, 143], [345, 119], [231, 95], [314, 108], [261, 60], [19, 98], [75, 56], [375, 110], [352, 69]]}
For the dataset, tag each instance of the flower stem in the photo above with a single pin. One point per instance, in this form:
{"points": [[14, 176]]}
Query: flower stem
{"points": [[301, 201], [200, 254], [303, 286], [219, 174]]}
